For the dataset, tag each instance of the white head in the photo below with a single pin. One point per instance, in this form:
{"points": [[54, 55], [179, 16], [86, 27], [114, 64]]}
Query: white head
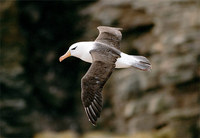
{"points": [[76, 50]]}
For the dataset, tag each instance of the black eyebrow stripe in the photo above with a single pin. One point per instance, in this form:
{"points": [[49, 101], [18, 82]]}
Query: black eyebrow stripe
{"points": [[74, 48]]}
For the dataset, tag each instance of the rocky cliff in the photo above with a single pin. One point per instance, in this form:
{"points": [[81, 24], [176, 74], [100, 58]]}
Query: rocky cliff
{"points": [[37, 93], [168, 97]]}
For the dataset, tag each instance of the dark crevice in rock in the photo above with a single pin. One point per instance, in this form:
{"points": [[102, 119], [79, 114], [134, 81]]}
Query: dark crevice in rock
{"points": [[160, 126], [189, 86], [139, 30]]}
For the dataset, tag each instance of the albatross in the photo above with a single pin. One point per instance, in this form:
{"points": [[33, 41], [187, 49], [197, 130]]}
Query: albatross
{"points": [[105, 55]]}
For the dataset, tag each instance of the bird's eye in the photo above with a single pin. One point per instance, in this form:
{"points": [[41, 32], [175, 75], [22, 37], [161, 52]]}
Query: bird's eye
{"points": [[74, 48]]}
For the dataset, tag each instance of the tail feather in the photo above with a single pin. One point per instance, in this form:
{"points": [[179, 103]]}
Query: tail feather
{"points": [[141, 63]]}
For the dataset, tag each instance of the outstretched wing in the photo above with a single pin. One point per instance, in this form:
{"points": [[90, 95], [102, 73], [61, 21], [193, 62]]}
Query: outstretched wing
{"points": [[110, 36], [92, 83]]}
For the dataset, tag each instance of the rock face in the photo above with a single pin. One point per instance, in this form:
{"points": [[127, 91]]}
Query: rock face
{"points": [[37, 93], [14, 89], [168, 33]]}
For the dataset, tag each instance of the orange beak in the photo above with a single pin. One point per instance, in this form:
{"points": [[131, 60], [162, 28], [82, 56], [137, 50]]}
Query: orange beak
{"points": [[66, 55]]}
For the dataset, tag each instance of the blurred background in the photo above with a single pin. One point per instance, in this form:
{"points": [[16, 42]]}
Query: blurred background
{"points": [[40, 97]]}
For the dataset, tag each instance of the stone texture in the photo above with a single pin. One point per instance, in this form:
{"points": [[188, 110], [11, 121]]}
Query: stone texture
{"points": [[64, 134], [167, 32], [162, 103], [32, 95]]}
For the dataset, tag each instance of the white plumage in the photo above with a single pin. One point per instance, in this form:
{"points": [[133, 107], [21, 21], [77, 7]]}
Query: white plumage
{"points": [[82, 51]]}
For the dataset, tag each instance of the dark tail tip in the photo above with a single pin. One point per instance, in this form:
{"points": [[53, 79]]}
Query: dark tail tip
{"points": [[142, 63]]}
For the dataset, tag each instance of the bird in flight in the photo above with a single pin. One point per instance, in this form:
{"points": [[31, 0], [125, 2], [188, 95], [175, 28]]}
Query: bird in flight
{"points": [[105, 55]]}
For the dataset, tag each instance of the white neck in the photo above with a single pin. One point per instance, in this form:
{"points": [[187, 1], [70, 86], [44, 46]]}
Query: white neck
{"points": [[85, 48]]}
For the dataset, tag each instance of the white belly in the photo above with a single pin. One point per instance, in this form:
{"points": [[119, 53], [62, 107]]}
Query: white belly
{"points": [[120, 63]]}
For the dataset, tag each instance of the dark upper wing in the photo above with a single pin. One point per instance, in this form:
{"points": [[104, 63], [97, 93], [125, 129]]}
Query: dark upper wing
{"points": [[110, 36], [93, 81]]}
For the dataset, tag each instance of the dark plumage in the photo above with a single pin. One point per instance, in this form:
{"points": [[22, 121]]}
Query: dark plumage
{"points": [[103, 64]]}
